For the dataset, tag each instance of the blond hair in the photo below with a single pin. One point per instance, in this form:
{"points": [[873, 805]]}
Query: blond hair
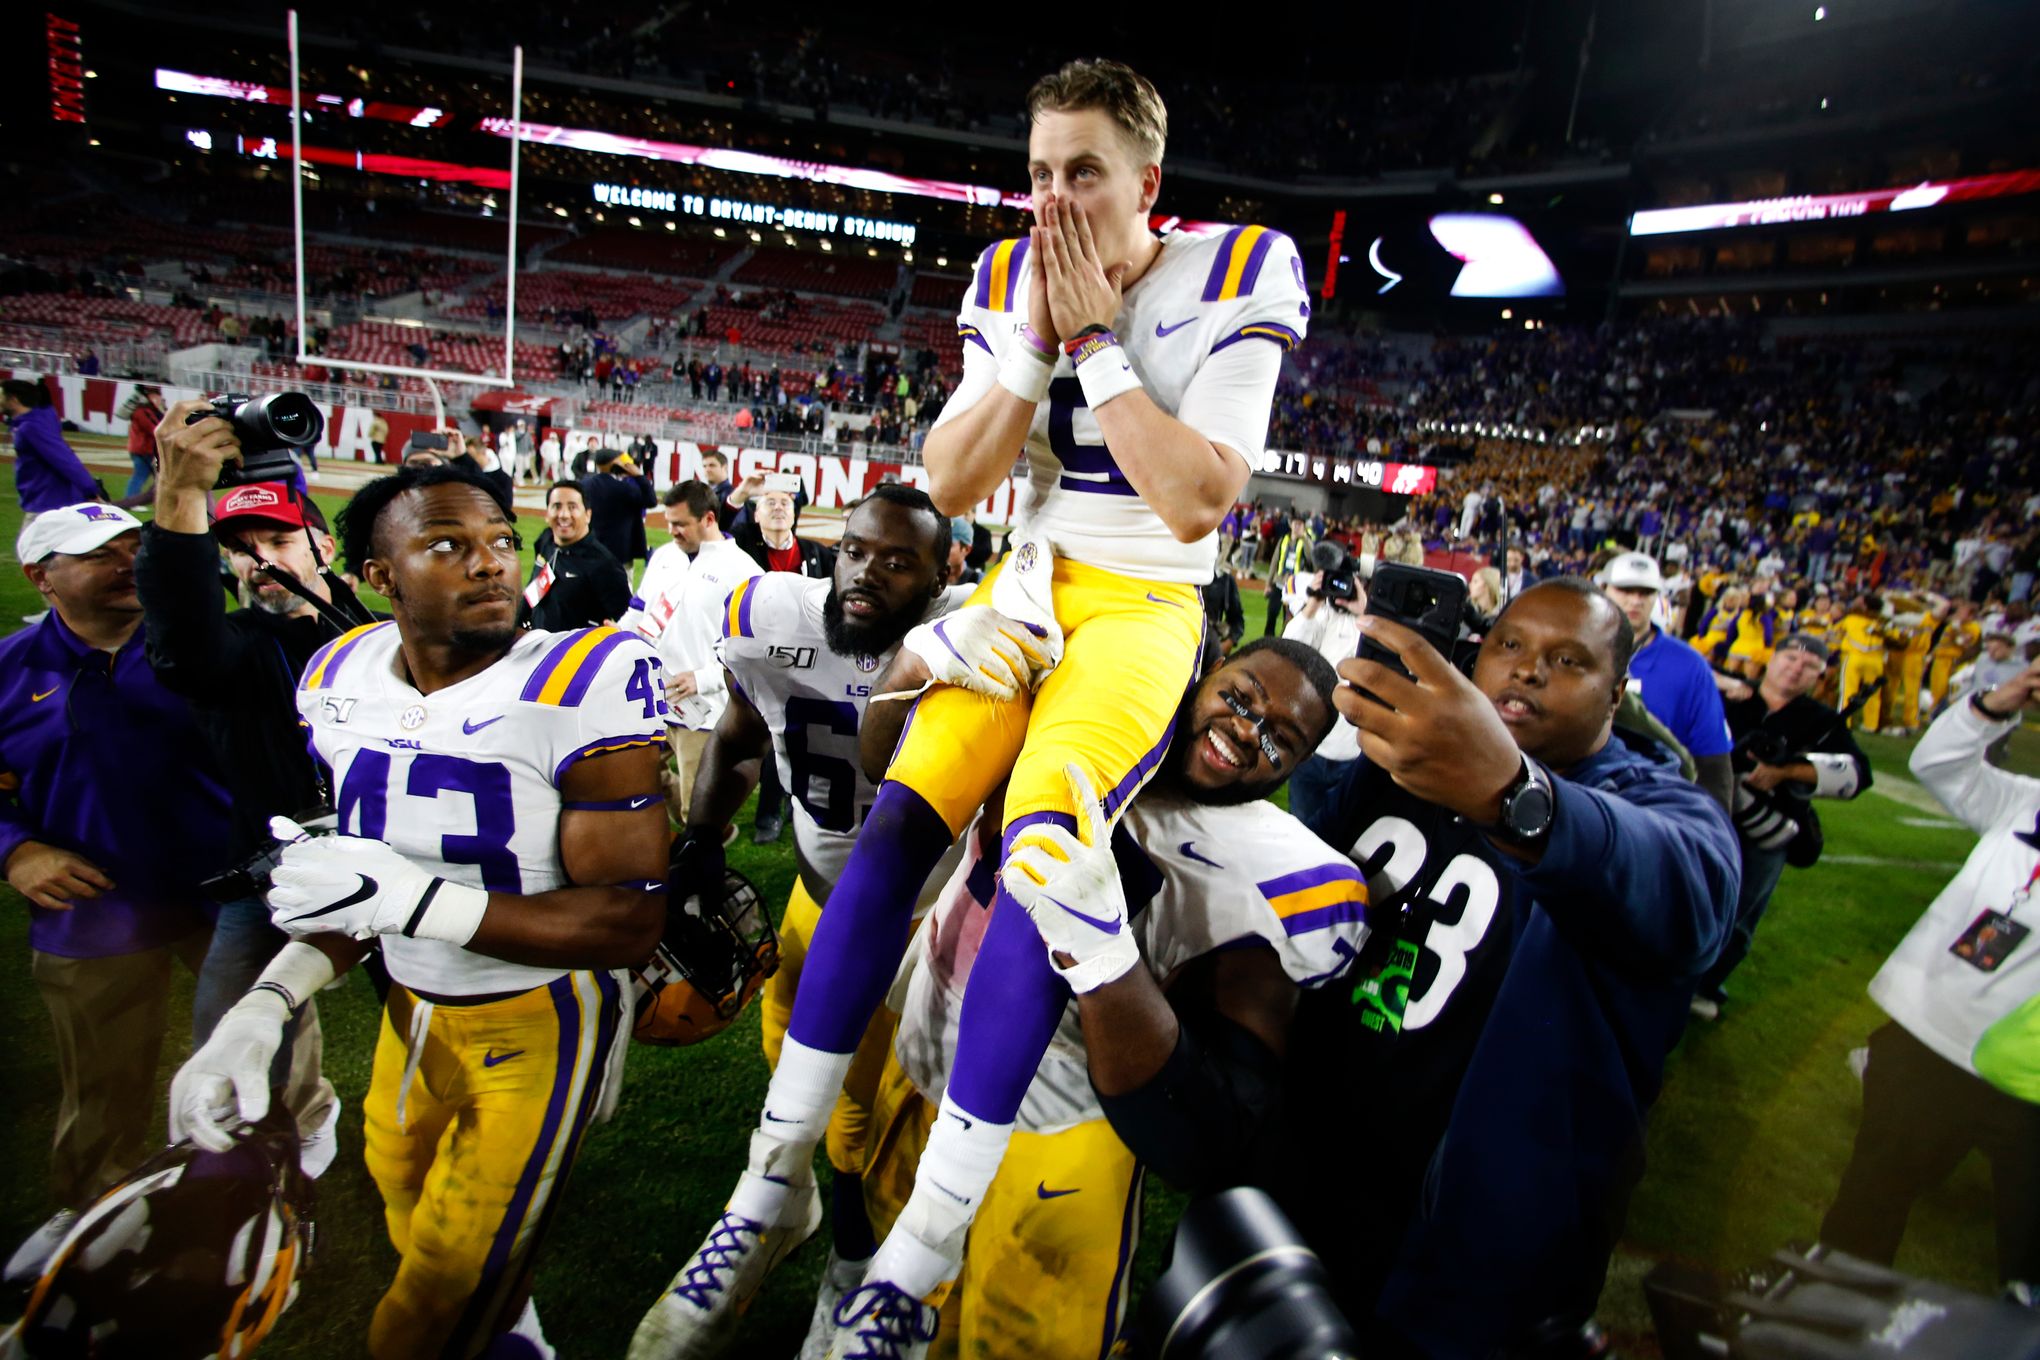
{"points": [[1123, 94]]}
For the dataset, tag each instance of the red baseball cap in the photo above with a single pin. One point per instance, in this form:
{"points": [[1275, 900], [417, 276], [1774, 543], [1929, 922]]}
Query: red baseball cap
{"points": [[265, 503]]}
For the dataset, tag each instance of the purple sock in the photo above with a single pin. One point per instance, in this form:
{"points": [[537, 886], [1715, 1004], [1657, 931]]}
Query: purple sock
{"points": [[862, 933], [1011, 1006]]}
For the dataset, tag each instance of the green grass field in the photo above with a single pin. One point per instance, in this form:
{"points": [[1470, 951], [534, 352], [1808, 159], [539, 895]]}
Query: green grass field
{"points": [[1746, 1145]]}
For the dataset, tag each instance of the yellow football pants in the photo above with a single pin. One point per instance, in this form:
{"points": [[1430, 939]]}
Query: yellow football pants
{"points": [[850, 1122], [1908, 675], [470, 1143], [1859, 670], [1938, 674], [1045, 1266], [1130, 651]]}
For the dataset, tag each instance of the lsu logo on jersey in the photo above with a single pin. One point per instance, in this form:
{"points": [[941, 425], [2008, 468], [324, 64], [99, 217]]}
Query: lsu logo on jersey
{"points": [[1026, 557]]}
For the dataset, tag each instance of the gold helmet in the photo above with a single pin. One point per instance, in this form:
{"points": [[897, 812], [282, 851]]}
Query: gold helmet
{"points": [[718, 949]]}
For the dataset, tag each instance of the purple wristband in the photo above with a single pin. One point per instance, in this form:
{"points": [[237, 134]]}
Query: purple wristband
{"points": [[1036, 343]]}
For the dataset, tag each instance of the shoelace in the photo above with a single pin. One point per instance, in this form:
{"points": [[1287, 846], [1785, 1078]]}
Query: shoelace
{"points": [[891, 1320], [723, 1251]]}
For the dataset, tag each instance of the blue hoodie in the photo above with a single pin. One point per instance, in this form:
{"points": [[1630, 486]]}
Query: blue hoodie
{"points": [[46, 473], [1490, 1130]]}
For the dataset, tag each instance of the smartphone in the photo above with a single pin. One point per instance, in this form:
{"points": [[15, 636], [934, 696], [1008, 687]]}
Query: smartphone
{"points": [[1420, 598]]}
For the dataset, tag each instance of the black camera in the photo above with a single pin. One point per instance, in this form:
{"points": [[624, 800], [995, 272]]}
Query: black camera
{"points": [[1765, 747], [1242, 1283], [268, 428], [1337, 572], [250, 878]]}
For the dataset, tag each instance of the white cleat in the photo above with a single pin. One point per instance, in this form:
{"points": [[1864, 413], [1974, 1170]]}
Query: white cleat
{"points": [[881, 1321], [839, 1277], [699, 1312]]}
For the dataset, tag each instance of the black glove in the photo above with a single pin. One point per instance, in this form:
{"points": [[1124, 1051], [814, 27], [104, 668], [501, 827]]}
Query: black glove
{"points": [[697, 869]]}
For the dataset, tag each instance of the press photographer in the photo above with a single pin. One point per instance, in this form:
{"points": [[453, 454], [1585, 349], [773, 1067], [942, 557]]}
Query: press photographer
{"points": [[1328, 621], [1789, 749], [239, 670]]}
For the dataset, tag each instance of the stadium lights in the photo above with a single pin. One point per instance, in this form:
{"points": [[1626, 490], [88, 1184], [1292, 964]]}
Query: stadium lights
{"points": [[672, 226], [1508, 314], [635, 221], [720, 232], [910, 257], [941, 261], [1820, 13], [559, 212], [1495, 199], [826, 245], [872, 251]]}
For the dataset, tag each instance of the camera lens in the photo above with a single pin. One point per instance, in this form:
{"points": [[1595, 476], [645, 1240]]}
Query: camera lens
{"points": [[1242, 1284], [288, 419]]}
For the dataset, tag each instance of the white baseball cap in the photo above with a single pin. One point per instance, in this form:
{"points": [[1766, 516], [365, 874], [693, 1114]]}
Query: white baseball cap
{"points": [[73, 530], [1635, 571]]}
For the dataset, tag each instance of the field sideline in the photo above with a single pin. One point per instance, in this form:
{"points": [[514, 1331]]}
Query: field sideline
{"points": [[1746, 1145]]}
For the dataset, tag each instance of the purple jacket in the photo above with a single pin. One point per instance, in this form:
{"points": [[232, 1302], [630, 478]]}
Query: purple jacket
{"points": [[46, 472]]}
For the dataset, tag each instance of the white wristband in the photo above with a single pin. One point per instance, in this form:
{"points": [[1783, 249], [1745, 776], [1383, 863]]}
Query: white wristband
{"points": [[1105, 373], [298, 972], [453, 913], [1120, 957], [1025, 373]]}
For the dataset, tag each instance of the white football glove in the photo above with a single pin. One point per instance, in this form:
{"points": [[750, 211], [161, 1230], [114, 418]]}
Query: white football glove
{"points": [[226, 1082], [985, 652], [355, 886], [1071, 888]]}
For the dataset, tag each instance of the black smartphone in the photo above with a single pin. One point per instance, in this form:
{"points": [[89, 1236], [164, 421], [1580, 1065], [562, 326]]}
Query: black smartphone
{"points": [[1420, 598]]}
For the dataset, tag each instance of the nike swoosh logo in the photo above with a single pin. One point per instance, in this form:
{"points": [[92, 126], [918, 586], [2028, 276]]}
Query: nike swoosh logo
{"points": [[645, 801], [1187, 852], [491, 1058], [473, 727], [967, 1123], [369, 888], [1044, 1192], [1164, 332], [1108, 927], [1178, 604], [38, 698], [772, 1118]]}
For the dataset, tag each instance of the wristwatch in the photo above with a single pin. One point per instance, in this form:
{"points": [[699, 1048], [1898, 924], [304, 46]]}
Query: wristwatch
{"points": [[1527, 807]]}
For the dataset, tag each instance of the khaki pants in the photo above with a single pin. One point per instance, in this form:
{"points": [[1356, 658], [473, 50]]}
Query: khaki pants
{"points": [[109, 1016], [687, 746]]}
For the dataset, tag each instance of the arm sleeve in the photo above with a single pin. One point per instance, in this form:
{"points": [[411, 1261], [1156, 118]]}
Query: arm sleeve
{"points": [[1949, 761], [1309, 629], [184, 613], [1229, 399], [1645, 880], [1841, 770], [1194, 1122], [1704, 719], [980, 375]]}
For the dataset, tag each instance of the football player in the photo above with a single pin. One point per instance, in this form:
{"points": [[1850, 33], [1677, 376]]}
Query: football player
{"points": [[1136, 373], [502, 836], [801, 657], [1199, 868]]}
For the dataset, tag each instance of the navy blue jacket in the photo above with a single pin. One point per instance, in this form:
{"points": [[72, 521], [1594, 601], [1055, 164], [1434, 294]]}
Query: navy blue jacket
{"points": [[1490, 1112]]}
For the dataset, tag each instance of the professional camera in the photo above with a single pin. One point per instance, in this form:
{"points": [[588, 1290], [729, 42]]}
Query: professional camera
{"points": [[1242, 1283], [250, 878], [1764, 747], [268, 428], [1337, 572], [1783, 818]]}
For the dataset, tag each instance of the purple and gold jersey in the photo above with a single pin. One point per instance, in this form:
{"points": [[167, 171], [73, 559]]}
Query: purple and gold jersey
{"points": [[1185, 327], [1198, 878], [777, 655], [464, 782]]}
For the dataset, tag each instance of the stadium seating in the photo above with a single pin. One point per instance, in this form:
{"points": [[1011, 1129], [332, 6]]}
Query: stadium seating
{"points": [[837, 272]]}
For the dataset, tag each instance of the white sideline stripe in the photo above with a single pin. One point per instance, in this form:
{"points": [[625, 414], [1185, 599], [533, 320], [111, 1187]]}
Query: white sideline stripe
{"points": [[1899, 789], [1881, 862]]}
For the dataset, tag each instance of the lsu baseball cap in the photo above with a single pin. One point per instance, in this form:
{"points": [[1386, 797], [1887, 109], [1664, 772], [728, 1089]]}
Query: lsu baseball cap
{"points": [[1635, 571], [73, 530], [265, 503]]}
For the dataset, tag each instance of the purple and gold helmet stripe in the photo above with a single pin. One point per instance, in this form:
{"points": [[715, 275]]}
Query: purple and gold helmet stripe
{"points": [[1273, 331]]}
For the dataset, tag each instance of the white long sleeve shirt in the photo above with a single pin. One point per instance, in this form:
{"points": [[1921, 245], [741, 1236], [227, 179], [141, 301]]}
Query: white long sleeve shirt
{"points": [[1946, 1002], [1335, 635], [694, 624]]}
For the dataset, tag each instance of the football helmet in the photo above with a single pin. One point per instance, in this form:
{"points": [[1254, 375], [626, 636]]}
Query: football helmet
{"points": [[718, 949], [193, 1254]]}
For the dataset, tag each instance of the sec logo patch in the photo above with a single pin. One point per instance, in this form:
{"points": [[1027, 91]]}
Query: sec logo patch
{"points": [[412, 718]]}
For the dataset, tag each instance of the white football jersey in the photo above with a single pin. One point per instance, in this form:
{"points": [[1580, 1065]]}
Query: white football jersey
{"points": [[777, 653], [464, 782], [1198, 878], [1185, 328]]}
